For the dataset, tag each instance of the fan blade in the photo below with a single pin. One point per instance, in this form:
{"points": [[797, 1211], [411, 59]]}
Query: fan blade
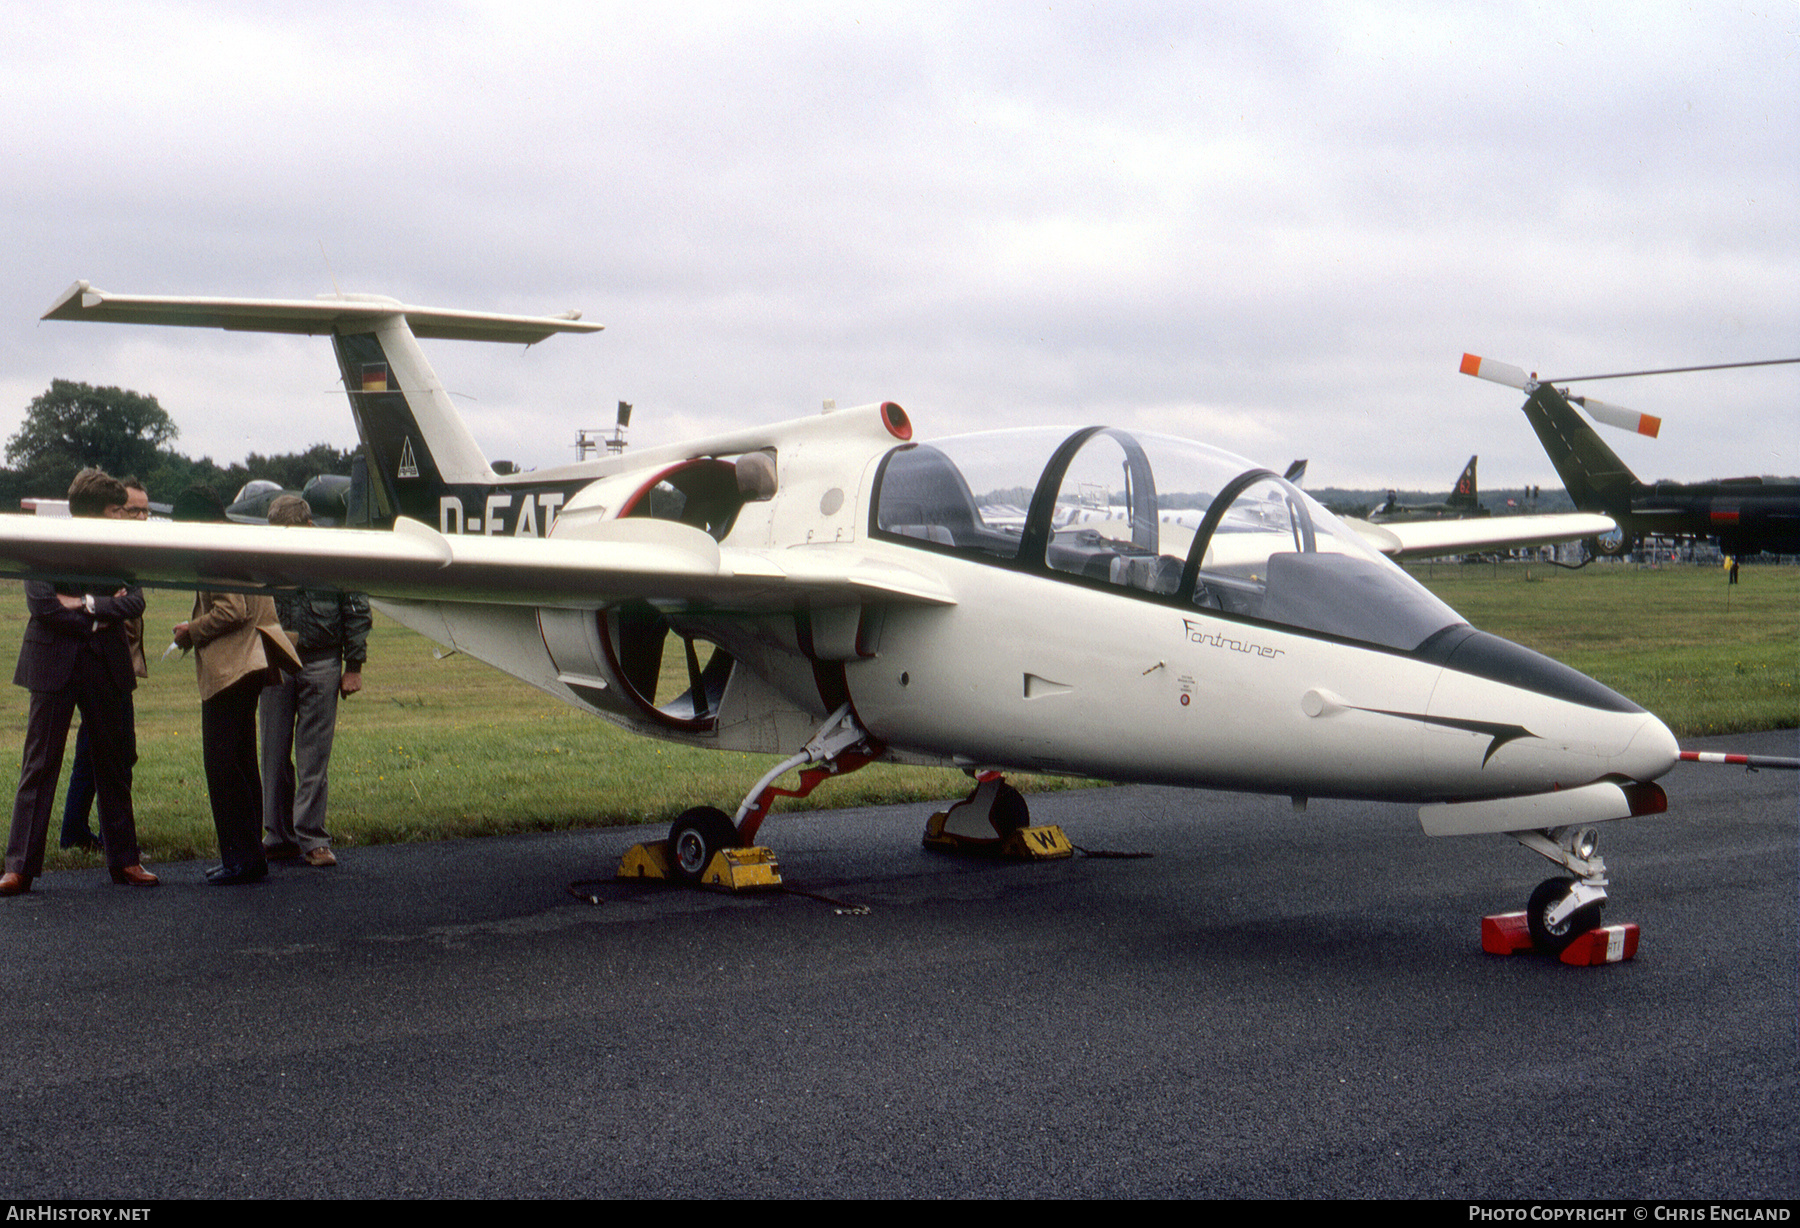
{"points": [[696, 682]]}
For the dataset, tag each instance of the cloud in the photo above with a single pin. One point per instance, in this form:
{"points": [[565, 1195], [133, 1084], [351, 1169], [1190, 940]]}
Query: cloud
{"points": [[1270, 228]]}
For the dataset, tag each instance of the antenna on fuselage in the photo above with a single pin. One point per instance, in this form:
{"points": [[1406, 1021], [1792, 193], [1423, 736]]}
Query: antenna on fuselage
{"points": [[592, 439]]}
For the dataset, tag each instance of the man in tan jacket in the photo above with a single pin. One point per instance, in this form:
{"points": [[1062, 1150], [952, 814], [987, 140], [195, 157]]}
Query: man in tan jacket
{"points": [[237, 640]]}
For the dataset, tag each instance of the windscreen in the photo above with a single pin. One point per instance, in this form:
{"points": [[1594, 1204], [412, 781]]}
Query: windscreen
{"points": [[1161, 516]]}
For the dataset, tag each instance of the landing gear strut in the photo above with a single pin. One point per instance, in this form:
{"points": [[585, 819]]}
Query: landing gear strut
{"points": [[705, 846], [1562, 909]]}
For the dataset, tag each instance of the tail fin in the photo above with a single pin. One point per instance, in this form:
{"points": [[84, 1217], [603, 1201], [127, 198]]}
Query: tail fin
{"points": [[415, 440], [1596, 478], [1464, 497]]}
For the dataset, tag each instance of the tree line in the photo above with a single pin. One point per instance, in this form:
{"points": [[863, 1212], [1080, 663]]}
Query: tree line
{"points": [[73, 425]]}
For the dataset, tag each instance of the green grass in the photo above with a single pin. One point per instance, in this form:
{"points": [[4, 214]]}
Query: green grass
{"points": [[433, 749], [440, 748]]}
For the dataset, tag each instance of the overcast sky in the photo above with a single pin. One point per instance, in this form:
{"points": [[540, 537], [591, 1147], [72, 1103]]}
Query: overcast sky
{"points": [[1251, 224]]}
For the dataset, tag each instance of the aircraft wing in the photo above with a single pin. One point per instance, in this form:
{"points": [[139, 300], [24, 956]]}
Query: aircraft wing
{"points": [[669, 564], [1421, 539]]}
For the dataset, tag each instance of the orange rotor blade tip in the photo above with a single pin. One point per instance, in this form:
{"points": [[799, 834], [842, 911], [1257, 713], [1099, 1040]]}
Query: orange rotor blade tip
{"points": [[1471, 365]]}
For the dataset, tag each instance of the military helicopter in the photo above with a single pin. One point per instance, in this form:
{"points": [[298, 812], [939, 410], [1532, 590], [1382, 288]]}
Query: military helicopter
{"points": [[1749, 515]]}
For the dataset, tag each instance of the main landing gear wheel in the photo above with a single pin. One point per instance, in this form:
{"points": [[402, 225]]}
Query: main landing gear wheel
{"points": [[994, 821], [1009, 813], [1553, 939], [695, 837]]}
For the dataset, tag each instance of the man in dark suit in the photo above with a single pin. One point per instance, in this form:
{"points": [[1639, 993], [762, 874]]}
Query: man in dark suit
{"points": [[78, 798], [74, 655]]}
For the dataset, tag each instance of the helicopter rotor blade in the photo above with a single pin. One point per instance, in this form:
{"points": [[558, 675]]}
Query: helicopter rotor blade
{"points": [[1598, 410], [1498, 372], [1717, 366], [1619, 416]]}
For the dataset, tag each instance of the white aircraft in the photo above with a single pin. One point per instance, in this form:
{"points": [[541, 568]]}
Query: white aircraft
{"points": [[1162, 611]]}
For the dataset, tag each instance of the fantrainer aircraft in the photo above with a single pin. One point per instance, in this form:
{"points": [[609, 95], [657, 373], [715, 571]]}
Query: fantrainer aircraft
{"points": [[1746, 515], [1161, 612]]}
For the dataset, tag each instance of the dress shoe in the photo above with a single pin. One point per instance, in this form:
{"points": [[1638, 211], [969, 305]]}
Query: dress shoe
{"points": [[233, 874], [321, 856], [14, 884], [134, 876]]}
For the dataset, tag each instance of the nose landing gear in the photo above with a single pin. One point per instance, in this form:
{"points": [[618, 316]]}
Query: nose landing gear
{"points": [[1562, 917], [1563, 909], [1555, 917]]}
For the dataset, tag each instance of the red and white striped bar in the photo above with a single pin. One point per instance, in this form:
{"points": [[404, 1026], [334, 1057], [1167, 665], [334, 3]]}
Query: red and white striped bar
{"points": [[1776, 762]]}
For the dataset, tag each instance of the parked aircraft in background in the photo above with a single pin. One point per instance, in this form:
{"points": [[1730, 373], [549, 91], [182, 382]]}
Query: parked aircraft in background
{"points": [[1462, 504], [1749, 515], [1159, 610], [327, 494]]}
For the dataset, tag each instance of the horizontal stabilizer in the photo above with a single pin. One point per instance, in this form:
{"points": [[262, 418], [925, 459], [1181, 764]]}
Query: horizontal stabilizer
{"points": [[312, 317]]}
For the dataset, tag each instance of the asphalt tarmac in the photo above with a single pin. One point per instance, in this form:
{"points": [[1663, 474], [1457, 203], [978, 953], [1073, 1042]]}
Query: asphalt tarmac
{"points": [[1273, 1004]]}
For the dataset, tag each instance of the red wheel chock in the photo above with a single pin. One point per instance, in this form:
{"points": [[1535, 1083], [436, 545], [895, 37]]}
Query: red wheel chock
{"points": [[1507, 934]]}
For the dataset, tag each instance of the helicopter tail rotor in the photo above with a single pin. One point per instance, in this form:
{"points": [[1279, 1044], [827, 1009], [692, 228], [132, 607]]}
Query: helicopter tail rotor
{"points": [[1598, 410]]}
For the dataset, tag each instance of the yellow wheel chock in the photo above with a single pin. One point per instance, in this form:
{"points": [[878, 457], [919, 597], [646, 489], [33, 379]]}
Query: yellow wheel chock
{"points": [[1047, 843], [731, 869]]}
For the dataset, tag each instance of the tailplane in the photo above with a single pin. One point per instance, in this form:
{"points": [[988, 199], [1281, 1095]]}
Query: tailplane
{"points": [[418, 450]]}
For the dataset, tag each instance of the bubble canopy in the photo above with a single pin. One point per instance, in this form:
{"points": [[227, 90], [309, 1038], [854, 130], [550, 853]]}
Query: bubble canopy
{"points": [[1154, 517]]}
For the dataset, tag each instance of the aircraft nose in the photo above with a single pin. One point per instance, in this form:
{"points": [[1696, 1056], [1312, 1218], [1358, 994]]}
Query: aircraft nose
{"points": [[1558, 727], [1651, 752]]}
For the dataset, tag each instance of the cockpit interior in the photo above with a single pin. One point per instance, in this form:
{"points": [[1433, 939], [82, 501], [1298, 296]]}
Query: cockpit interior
{"points": [[1154, 517]]}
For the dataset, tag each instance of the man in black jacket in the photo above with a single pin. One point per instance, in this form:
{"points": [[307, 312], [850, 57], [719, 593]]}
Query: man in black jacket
{"points": [[74, 654], [299, 713]]}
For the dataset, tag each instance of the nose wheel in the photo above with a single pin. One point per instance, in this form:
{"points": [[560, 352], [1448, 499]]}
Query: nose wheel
{"points": [[707, 847], [1556, 916], [1562, 918]]}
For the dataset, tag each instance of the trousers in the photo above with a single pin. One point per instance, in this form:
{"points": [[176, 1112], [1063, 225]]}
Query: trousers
{"points": [[101, 702], [228, 731], [299, 719]]}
